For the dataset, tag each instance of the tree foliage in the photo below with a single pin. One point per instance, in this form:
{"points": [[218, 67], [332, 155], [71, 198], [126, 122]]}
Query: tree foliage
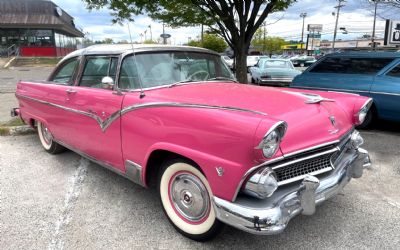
{"points": [[210, 41], [269, 45], [235, 21]]}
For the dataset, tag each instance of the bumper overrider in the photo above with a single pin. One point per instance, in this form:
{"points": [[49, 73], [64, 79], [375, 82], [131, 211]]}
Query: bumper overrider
{"points": [[272, 215]]}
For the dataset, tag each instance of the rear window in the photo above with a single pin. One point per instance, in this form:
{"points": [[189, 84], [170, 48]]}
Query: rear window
{"points": [[346, 65]]}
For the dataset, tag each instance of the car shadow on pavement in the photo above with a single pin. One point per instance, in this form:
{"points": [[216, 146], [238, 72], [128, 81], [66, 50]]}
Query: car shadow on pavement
{"points": [[384, 126]]}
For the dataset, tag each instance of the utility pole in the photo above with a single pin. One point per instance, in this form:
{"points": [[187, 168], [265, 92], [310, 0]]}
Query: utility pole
{"points": [[151, 33], [302, 15], [373, 29], [265, 31], [340, 5], [202, 35], [163, 31]]}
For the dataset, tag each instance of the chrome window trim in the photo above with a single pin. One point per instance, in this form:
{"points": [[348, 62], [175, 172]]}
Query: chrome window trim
{"points": [[104, 124], [138, 52]]}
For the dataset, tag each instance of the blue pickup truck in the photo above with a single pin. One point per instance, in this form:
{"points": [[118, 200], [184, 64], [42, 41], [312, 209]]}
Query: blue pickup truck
{"points": [[372, 74]]}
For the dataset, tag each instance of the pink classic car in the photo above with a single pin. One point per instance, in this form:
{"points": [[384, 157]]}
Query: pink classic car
{"points": [[218, 152]]}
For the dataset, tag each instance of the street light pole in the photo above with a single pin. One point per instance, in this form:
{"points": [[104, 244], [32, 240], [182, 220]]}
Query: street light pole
{"points": [[340, 5], [373, 29], [302, 15]]}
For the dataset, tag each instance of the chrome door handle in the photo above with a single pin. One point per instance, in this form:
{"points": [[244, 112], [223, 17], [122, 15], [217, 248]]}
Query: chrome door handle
{"points": [[70, 91]]}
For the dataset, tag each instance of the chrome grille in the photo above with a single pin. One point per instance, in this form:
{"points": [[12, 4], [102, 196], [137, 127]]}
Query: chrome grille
{"points": [[298, 170], [313, 162]]}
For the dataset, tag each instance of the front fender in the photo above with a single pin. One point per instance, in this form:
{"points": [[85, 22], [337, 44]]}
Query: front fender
{"points": [[207, 163]]}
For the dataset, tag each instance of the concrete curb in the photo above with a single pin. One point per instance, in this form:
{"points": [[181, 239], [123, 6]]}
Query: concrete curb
{"points": [[16, 130]]}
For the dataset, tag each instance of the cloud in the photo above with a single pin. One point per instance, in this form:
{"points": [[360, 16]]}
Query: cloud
{"points": [[356, 16]]}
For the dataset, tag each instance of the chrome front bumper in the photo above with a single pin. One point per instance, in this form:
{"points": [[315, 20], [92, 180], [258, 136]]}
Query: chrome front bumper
{"points": [[271, 216]]}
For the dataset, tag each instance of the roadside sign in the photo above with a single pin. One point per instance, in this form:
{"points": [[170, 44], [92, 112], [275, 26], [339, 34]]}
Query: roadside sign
{"points": [[392, 32], [314, 27], [165, 36]]}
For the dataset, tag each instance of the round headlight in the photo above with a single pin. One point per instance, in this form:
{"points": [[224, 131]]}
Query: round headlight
{"points": [[362, 114], [271, 141]]}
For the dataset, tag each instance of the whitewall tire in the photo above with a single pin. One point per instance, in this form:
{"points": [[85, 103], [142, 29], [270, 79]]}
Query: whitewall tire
{"points": [[186, 198], [46, 139]]}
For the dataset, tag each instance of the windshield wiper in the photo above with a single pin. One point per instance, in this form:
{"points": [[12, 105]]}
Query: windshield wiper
{"points": [[180, 82], [221, 78]]}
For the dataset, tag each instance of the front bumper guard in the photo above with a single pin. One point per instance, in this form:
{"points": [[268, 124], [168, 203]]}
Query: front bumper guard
{"points": [[271, 216]]}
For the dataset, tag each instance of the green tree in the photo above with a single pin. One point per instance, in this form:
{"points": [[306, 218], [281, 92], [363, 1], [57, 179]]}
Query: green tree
{"points": [[235, 21], [148, 41], [210, 41], [268, 44]]}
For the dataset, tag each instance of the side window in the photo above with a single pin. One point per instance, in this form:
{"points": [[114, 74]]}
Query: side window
{"points": [[330, 65], [129, 77], [395, 72], [65, 73], [346, 65], [95, 69]]}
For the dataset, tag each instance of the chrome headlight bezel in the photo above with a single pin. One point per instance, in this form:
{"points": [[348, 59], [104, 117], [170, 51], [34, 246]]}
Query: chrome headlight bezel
{"points": [[362, 113], [356, 139], [272, 139], [261, 184]]}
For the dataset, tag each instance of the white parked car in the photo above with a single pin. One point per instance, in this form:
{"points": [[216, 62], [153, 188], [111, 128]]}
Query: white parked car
{"points": [[228, 61]]}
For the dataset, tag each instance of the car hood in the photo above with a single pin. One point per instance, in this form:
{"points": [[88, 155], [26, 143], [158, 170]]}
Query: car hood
{"points": [[308, 124], [281, 72]]}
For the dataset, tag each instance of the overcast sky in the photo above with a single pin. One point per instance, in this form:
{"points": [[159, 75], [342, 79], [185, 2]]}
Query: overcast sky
{"points": [[356, 17]]}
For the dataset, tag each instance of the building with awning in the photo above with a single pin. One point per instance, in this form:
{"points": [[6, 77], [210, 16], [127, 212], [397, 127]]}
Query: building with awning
{"points": [[36, 28]]}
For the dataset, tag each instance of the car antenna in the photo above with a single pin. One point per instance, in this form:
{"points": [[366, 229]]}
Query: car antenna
{"points": [[134, 58]]}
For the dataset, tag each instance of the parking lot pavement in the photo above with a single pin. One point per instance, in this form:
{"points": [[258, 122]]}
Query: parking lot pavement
{"points": [[64, 201], [8, 82]]}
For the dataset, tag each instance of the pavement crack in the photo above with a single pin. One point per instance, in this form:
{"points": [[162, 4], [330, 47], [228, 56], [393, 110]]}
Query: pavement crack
{"points": [[71, 197]]}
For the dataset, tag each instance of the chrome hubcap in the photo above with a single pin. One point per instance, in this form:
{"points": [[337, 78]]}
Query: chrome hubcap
{"points": [[189, 197], [46, 134]]}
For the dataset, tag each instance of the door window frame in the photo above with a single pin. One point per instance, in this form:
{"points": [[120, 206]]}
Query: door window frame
{"points": [[83, 66], [74, 75]]}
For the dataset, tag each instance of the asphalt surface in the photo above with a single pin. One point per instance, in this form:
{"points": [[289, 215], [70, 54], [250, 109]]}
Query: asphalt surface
{"points": [[8, 83], [66, 202]]}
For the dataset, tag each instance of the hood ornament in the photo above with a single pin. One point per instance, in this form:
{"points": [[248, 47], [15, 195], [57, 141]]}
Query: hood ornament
{"points": [[310, 97]]}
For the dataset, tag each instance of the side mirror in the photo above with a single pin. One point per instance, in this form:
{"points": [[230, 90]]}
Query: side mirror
{"points": [[108, 82]]}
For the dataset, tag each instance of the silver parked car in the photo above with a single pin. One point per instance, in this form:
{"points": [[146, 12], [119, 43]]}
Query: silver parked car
{"points": [[273, 72]]}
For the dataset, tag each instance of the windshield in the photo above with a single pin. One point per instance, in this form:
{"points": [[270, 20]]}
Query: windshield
{"points": [[277, 64], [165, 68]]}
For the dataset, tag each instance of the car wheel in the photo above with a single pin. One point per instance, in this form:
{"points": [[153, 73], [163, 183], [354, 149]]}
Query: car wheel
{"points": [[186, 198], [368, 120], [301, 64], [46, 139]]}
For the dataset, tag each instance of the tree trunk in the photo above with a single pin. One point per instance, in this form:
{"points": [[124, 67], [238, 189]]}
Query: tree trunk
{"points": [[241, 65]]}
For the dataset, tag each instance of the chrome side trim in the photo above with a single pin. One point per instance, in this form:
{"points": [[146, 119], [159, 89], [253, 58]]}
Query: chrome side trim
{"points": [[346, 90], [384, 93], [104, 124], [131, 167], [134, 172], [185, 105], [330, 89]]}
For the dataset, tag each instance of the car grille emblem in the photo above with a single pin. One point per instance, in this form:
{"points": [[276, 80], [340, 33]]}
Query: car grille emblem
{"points": [[333, 122]]}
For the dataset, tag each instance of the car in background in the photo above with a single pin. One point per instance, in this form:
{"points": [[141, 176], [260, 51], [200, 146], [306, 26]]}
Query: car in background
{"points": [[372, 74], [273, 72], [303, 61], [251, 61], [228, 61]]}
